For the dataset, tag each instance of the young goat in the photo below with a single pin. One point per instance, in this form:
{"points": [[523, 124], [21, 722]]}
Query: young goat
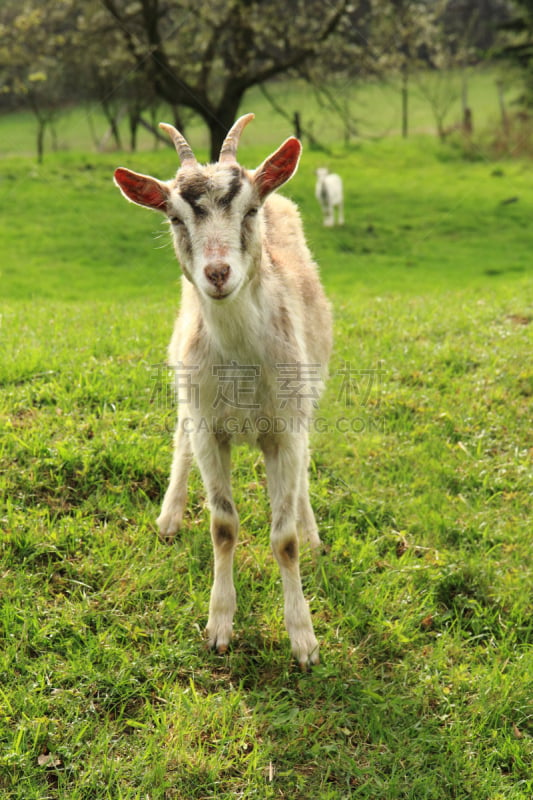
{"points": [[251, 346], [328, 192]]}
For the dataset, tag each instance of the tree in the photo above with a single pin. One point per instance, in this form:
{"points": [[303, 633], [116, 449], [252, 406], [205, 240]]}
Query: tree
{"points": [[477, 20], [438, 80], [518, 49], [110, 76], [407, 34], [34, 40], [440, 87], [204, 56], [471, 30]]}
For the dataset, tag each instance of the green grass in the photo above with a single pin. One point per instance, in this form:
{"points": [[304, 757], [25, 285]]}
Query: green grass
{"points": [[421, 482]]}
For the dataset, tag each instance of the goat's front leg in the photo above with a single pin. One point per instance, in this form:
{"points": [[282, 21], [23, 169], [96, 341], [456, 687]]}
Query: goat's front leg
{"points": [[170, 518], [214, 460], [307, 526], [284, 462]]}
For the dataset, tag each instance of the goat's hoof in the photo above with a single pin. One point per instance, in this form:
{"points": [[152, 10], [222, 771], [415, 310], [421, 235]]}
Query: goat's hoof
{"points": [[307, 663], [168, 527], [220, 649], [166, 538], [218, 640], [306, 653]]}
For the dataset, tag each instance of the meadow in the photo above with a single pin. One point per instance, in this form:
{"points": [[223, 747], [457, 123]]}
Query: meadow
{"points": [[420, 480]]}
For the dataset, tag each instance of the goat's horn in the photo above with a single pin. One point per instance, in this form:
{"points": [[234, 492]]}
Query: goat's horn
{"points": [[229, 148], [182, 146]]}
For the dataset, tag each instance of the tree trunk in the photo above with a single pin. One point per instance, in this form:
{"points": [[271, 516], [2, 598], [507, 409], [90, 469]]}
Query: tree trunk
{"points": [[405, 101], [217, 135], [113, 118], [41, 128], [115, 132], [468, 124], [134, 125], [464, 90], [154, 113], [219, 124], [179, 122], [297, 125]]}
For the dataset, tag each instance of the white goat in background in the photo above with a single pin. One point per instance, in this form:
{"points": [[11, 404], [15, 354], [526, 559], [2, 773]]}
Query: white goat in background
{"points": [[329, 193], [252, 342]]}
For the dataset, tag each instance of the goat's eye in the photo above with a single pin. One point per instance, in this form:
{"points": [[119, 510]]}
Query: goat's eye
{"points": [[176, 221], [251, 213]]}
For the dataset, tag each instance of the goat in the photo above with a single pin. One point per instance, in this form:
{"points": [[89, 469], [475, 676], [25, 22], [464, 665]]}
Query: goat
{"points": [[329, 193], [253, 312]]}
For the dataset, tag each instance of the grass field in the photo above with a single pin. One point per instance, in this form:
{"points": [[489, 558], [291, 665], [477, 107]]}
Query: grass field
{"points": [[421, 483]]}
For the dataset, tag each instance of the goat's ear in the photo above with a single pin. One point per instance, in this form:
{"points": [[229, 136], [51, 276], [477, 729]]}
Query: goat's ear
{"points": [[142, 189], [278, 168]]}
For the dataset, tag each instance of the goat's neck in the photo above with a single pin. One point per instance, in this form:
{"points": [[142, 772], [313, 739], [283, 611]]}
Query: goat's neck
{"points": [[236, 326]]}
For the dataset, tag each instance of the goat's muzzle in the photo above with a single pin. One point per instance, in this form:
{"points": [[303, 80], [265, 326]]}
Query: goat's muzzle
{"points": [[217, 273]]}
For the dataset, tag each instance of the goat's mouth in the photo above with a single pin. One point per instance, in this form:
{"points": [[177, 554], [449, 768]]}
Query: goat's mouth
{"points": [[220, 294]]}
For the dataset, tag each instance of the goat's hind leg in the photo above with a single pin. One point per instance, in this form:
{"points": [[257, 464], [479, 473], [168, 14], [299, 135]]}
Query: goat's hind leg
{"points": [[283, 466], [172, 510]]}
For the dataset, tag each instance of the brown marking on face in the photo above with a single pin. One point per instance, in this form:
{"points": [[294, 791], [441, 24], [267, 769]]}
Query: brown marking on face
{"points": [[191, 188], [247, 229], [245, 235], [234, 188]]}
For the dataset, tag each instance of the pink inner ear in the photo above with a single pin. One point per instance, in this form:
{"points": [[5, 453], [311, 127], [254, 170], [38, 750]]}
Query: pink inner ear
{"points": [[141, 189], [279, 167]]}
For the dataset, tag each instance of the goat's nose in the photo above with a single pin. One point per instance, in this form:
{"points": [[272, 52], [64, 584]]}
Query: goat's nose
{"points": [[217, 274]]}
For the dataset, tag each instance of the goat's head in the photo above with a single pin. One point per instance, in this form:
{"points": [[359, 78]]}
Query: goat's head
{"points": [[213, 209]]}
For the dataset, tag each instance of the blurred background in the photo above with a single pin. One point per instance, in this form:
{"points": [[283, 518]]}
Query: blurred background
{"points": [[100, 74]]}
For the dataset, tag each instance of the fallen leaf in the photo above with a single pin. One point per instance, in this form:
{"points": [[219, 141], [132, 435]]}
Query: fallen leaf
{"points": [[48, 760], [427, 623]]}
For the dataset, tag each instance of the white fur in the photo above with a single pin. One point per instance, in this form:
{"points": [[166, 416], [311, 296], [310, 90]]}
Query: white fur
{"points": [[269, 317], [329, 193]]}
